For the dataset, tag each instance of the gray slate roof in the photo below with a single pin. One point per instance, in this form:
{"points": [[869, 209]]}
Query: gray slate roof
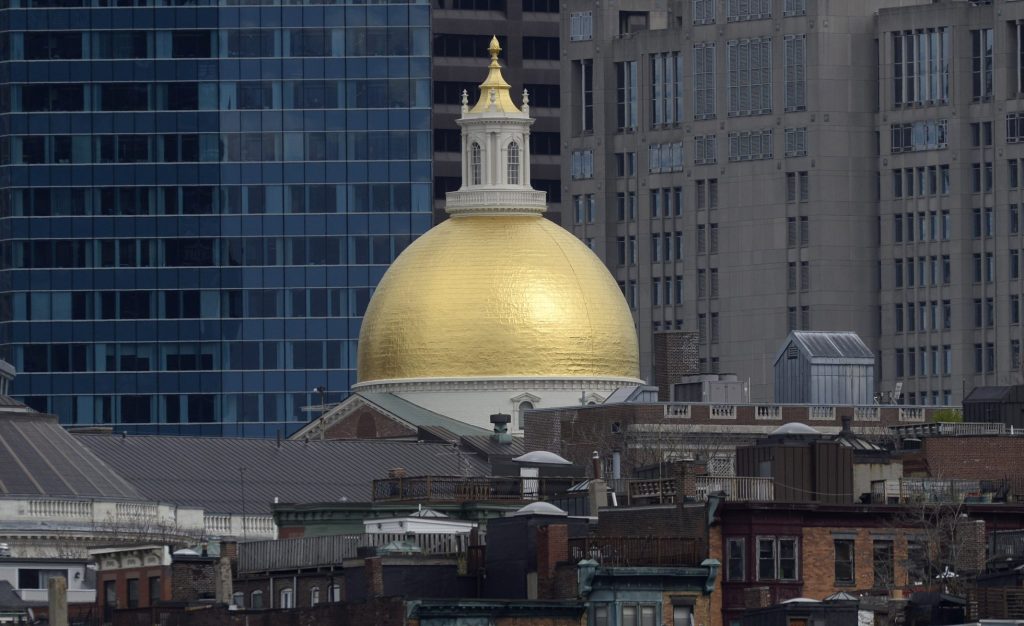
{"points": [[487, 446], [988, 394], [829, 346], [39, 458], [412, 414], [419, 416], [204, 472]]}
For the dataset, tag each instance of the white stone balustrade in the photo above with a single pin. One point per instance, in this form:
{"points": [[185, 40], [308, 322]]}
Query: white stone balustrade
{"points": [[824, 413], [768, 412]]}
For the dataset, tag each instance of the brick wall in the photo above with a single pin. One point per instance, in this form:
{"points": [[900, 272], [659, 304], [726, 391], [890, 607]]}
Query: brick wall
{"points": [[973, 546], [712, 614], [143, 574], [664, 520], [193, 580], [818, 560], [675, 355], [552, 549], [977, 458]]}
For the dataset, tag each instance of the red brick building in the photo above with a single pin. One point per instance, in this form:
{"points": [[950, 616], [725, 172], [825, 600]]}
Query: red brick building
{"points": [[771, 552]]}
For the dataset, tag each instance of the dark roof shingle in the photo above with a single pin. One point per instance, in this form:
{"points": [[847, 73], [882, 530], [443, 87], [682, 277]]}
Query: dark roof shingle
{"points": [[207, 472], [38, 457]]}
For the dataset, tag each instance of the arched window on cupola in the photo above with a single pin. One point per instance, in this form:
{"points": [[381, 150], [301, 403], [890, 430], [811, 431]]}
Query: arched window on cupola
{"points": [[513, 163], [475, 164]]}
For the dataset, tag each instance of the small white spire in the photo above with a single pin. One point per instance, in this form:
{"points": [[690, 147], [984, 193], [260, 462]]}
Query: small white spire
{"points": [[526, 102], [465, 102]]}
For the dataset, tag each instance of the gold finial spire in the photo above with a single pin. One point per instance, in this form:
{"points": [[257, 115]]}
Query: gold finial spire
{"points": [[495, 82]]}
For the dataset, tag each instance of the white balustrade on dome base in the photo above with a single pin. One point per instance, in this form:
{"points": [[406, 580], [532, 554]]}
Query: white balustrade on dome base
{"points": [[495, 200], [89, 519]]}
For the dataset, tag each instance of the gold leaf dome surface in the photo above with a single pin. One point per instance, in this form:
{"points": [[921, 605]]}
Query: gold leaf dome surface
{"points": [[485, 296]]}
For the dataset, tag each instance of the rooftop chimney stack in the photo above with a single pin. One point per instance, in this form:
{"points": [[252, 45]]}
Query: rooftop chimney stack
{"points": [[501, 422]]}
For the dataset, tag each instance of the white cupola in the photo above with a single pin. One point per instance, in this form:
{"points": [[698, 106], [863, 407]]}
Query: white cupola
{"points": [[495, 151]]}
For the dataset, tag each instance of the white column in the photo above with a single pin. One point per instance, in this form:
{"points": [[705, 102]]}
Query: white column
{"points": [[524, 160]]}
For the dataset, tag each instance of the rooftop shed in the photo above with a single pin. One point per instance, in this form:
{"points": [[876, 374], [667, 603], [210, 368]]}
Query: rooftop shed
{"points": [[824, 367]]}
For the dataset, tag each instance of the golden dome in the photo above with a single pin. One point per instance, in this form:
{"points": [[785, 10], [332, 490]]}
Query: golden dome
{"points": [[485, 296]]}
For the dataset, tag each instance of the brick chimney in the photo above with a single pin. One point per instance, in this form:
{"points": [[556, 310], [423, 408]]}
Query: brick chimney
{"points": [[973, 546], [675, 356], [552, 549], [373, 569], [685, 473]]}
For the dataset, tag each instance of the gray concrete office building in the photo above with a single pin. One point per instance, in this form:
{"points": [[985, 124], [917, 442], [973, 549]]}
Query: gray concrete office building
{"points": [[750, 167]]}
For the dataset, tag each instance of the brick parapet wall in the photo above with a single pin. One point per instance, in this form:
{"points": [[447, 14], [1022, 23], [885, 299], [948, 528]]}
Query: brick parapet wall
{"points": [[977, 458], [193, 580], [676, 355], [576, 433]]}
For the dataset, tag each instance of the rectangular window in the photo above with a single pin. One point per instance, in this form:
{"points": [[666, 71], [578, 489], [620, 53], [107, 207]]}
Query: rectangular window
{"points": [[921, 66], [704, 80], [705, 149], [666, 89], [981, 64], [777, 558], [626, 94], [796, 142], [583, 74], [795, 7], [704, 11], [750, 145], [682, 616], [766, 559], [882, 561], [582, 166], [918, 136], [736, 558], [749, 10], [581, 26], [749, 76], [796, 73], [154, 591], [1014, 124], [133, 593]]}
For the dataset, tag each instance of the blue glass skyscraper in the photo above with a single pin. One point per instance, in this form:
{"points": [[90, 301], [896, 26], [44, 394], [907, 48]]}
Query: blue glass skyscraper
{"points": [[197, 199]]}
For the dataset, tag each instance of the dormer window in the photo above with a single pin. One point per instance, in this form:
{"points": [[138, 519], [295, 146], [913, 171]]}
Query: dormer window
{"points": [[513, 163], [474, 164]]}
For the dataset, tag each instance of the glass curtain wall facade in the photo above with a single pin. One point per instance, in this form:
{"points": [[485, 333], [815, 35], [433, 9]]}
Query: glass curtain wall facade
{"points": [[197, 199]]}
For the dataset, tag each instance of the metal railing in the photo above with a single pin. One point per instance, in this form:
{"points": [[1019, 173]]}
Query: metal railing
{"points": [[1006, 543], [462, 489], [638, 551], [312, 552], [995, 603], [950, 429], [742, 488], [934, 490]]}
